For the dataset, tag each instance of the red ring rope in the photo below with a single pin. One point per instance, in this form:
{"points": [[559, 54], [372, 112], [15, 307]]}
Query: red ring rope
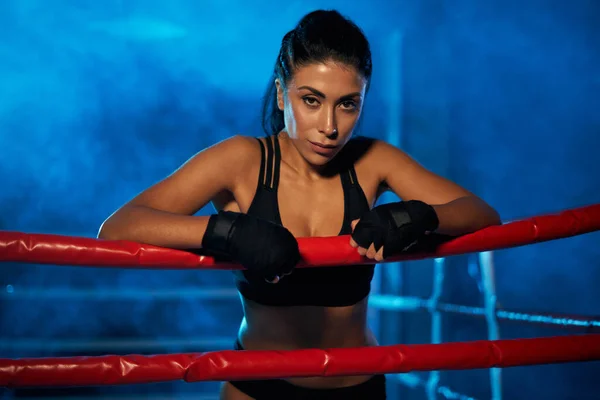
{"points": [[65, 250], [236, 365], [240, 365]]}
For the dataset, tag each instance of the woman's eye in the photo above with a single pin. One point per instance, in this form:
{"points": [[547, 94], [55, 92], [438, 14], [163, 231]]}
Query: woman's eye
{"points": [[349, 105], [311, 101]]}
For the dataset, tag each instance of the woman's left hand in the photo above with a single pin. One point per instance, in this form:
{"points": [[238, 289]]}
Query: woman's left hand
{"points": [[370, 252], [391, 228]]}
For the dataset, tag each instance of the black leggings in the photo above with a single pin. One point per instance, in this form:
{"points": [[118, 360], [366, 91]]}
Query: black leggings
{"points": [[373, 389]]}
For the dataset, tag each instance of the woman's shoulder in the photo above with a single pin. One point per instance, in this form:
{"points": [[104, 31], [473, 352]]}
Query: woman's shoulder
{"points": [[234, 154], [237, 147], [239, 142]]}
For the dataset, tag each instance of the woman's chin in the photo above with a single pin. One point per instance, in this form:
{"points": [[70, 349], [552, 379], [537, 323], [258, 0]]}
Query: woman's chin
{"points": [[321, 162]]}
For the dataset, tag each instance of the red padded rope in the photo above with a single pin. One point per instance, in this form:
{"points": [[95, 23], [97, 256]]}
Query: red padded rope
{"points": [[66, 250], [241, 365]]}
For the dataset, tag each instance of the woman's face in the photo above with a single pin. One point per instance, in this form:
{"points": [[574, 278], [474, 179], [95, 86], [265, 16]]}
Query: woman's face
{"points": [[321, 104]]}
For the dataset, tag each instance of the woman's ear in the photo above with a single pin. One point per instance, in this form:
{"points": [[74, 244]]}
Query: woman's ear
{"points": [[280, 93]]}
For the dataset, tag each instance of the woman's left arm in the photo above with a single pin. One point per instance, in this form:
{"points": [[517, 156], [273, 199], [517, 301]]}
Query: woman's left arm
{"points": [[459, 211], [465, 215]]}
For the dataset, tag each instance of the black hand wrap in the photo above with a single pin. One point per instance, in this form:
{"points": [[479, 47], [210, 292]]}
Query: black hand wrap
{"points": [[268, 249], [395, 226]]}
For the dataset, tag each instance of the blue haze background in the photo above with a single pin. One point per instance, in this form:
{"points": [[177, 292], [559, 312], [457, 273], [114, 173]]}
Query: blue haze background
{"points": [[99, 100]]}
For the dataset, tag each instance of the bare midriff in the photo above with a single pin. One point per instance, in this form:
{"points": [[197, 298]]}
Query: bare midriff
{"points": [[303, 327]]}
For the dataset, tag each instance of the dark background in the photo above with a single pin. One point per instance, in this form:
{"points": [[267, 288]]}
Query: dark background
{"points": [[99, 100]]}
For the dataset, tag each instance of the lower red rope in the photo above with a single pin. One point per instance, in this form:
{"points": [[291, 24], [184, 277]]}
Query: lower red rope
{"points": [[244, 365]]}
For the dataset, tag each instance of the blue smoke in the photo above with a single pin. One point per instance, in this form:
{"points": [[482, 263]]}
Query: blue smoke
{"points": [[100, 101]]}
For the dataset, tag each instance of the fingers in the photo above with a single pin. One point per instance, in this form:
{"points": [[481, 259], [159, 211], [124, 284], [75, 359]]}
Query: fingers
{"points": [[379, 254], [371, 253], [353, 225], [362, 251]]}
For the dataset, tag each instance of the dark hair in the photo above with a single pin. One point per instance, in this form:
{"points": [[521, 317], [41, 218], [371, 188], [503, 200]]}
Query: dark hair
{"points": [[320, 36]]}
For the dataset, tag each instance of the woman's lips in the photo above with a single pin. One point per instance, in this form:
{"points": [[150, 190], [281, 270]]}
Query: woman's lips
{"points": [[322, 149]]}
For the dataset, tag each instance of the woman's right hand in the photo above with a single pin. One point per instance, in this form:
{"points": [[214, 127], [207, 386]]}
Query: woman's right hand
{"points": [[265, 248]]}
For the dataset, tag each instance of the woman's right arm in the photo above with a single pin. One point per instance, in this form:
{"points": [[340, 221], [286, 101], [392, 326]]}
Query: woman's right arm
{"points": [[162, 215]]}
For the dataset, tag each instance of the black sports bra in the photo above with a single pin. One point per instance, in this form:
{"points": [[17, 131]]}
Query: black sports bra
{"points": [[323, 286]]}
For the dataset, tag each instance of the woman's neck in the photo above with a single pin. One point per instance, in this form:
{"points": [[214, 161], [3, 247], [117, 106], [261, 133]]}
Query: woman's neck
{"points": [[293, 158]]}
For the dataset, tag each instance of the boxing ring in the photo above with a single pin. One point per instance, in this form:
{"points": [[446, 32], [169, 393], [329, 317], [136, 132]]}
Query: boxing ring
{"points": [[581, 342]]}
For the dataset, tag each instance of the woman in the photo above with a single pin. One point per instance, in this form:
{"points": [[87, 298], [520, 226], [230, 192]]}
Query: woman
{"points": [[309, 177]]}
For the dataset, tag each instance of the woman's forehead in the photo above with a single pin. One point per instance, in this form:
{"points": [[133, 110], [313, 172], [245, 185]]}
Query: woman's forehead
{"points": [[329, 77]]}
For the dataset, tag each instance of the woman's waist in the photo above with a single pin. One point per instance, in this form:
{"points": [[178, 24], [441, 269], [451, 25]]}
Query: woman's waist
{"points": [[287, 328], [251, 339]]}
